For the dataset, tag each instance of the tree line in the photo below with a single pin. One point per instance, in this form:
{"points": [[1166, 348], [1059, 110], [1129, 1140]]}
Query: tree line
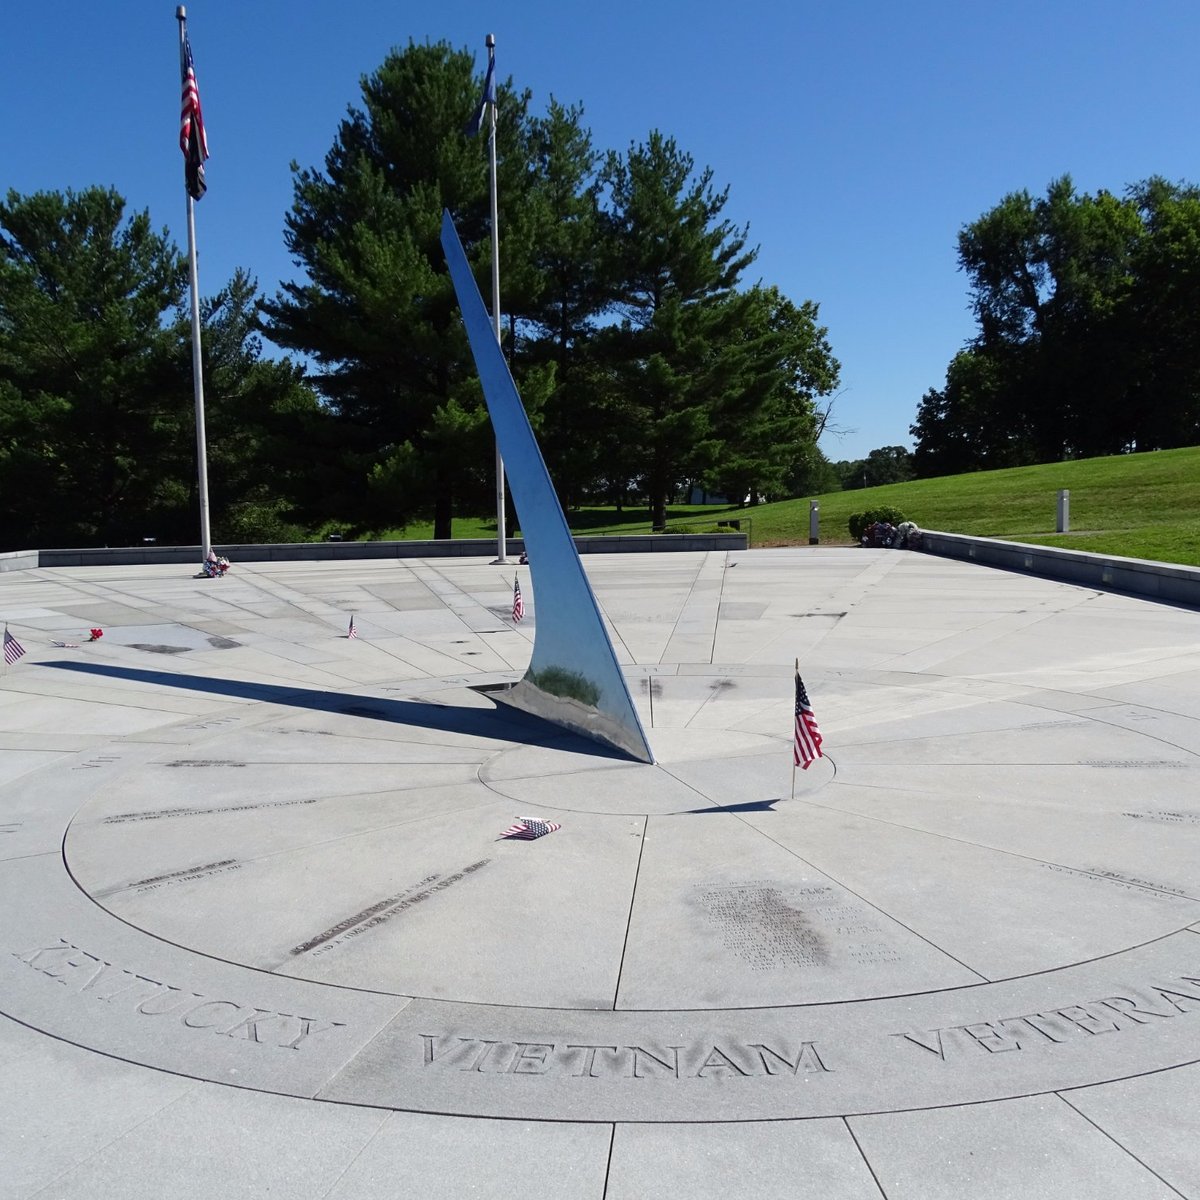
{"points": [[1087, 341], [645, 357]]}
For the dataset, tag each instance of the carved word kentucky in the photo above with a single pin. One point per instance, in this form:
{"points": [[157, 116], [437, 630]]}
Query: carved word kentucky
{"points": [[88, 975]]}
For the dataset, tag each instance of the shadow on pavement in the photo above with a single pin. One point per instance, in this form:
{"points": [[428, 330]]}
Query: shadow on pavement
{"points": [[501, 723]]}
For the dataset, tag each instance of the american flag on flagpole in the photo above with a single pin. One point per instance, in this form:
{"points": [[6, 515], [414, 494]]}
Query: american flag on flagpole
{"points": [[518, 611], [527, 828], [12, 648], [475, 124], [806, 744], [352, 632], [193, 140]]}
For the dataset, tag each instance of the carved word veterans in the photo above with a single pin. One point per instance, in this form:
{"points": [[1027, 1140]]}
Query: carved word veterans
{"points": [[1054, 1026], [578, 1060], [87, 975]]}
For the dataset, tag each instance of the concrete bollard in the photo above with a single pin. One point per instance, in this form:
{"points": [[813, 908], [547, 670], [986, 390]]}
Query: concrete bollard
{"points": [[814, 523], [1063, 522]]}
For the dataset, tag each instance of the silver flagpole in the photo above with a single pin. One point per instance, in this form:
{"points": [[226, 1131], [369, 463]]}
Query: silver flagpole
{"points": [[197, 361], [501, 536]]}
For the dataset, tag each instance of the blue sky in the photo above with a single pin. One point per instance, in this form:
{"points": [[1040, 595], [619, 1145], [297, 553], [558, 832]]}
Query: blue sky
{"points": [[856, 138]]}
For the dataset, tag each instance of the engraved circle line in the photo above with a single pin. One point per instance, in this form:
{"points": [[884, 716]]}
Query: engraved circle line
{"points": [[983, 982], [625, 1012], [375, 991]]}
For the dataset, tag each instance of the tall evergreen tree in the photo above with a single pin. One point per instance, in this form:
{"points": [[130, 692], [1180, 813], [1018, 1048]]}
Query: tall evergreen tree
{"points": [[97, 427], [93, 417], [262, 421], [569, 293], [674, 263], [776, 364], [377, 310]]}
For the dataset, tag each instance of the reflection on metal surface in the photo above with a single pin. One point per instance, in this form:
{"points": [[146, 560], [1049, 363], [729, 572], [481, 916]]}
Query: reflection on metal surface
{"points": [[574, 678]]}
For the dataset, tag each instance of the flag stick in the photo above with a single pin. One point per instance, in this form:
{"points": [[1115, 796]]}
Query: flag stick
{"points": [[794, 743], [501, 533], [4, 671], [197, 362]]}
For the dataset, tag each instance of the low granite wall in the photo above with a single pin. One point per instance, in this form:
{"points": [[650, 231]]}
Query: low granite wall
{"points": [[114, 556], [18, 560], [1137, 576]]}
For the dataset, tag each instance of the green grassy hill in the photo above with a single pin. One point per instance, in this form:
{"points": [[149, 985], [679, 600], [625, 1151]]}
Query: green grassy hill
{"points": [[1135, 505]]}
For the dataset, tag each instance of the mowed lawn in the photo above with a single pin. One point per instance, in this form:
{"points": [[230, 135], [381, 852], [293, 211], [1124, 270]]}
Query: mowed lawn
{"points": [[1134, 505]]}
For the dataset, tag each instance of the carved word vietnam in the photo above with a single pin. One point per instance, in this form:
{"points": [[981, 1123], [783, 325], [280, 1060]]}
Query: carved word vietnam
{"points": [[88, 975], [578, 1060]]}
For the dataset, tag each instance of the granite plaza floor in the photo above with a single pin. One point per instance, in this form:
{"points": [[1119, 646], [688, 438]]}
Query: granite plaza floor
{"points": [[260, 935]]}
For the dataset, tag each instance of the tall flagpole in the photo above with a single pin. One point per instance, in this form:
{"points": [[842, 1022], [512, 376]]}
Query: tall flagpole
{"points": [[197, 361], [501, 537]]}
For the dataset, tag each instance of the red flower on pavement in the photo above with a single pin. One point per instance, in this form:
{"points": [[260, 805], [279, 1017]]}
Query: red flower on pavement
{"points": [[97, 634]]}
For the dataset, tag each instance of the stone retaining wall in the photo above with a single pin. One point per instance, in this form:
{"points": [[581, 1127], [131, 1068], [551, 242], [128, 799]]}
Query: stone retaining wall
{"points": [[323, 551], [1136, 576]]}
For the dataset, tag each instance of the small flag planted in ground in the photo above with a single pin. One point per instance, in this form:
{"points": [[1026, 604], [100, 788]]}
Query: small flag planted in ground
{"points": [[518, 603], [12, 648], [806, 744], [527, 828], [352, 632]]}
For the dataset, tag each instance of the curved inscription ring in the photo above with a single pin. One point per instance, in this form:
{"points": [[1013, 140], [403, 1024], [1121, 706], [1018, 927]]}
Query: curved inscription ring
{"points": [[102, 947]]}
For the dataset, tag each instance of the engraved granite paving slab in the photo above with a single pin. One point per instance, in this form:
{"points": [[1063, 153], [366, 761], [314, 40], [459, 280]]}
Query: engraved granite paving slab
{"points": [[962, 960], [1153, 1117], [775, 1160], [949, 1154]]}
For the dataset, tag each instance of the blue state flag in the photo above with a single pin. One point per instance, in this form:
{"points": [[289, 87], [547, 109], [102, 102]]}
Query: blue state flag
{"points": [[489, 97]]}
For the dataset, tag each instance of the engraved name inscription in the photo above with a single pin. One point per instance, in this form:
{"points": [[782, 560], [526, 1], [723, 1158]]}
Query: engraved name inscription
{"points": [[91, 976], [762, 928], [1145, 887], [10, 827], [204, 762], [384, 910], [1072, 1022], [771, 927], [159, 814], [1150, 763], [580, 1060], [186, 876], [213, 723], [1166, 817], [92, 764]]}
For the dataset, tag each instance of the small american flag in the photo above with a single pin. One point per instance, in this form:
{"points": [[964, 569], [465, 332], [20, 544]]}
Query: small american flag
{"points": [[193, 141], [12, 648], [518, 602], [526, 829], [806, 745], [352, 632]]}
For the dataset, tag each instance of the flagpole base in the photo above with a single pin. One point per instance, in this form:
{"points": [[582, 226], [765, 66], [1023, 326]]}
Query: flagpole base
{"points": [[499, 562]]}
